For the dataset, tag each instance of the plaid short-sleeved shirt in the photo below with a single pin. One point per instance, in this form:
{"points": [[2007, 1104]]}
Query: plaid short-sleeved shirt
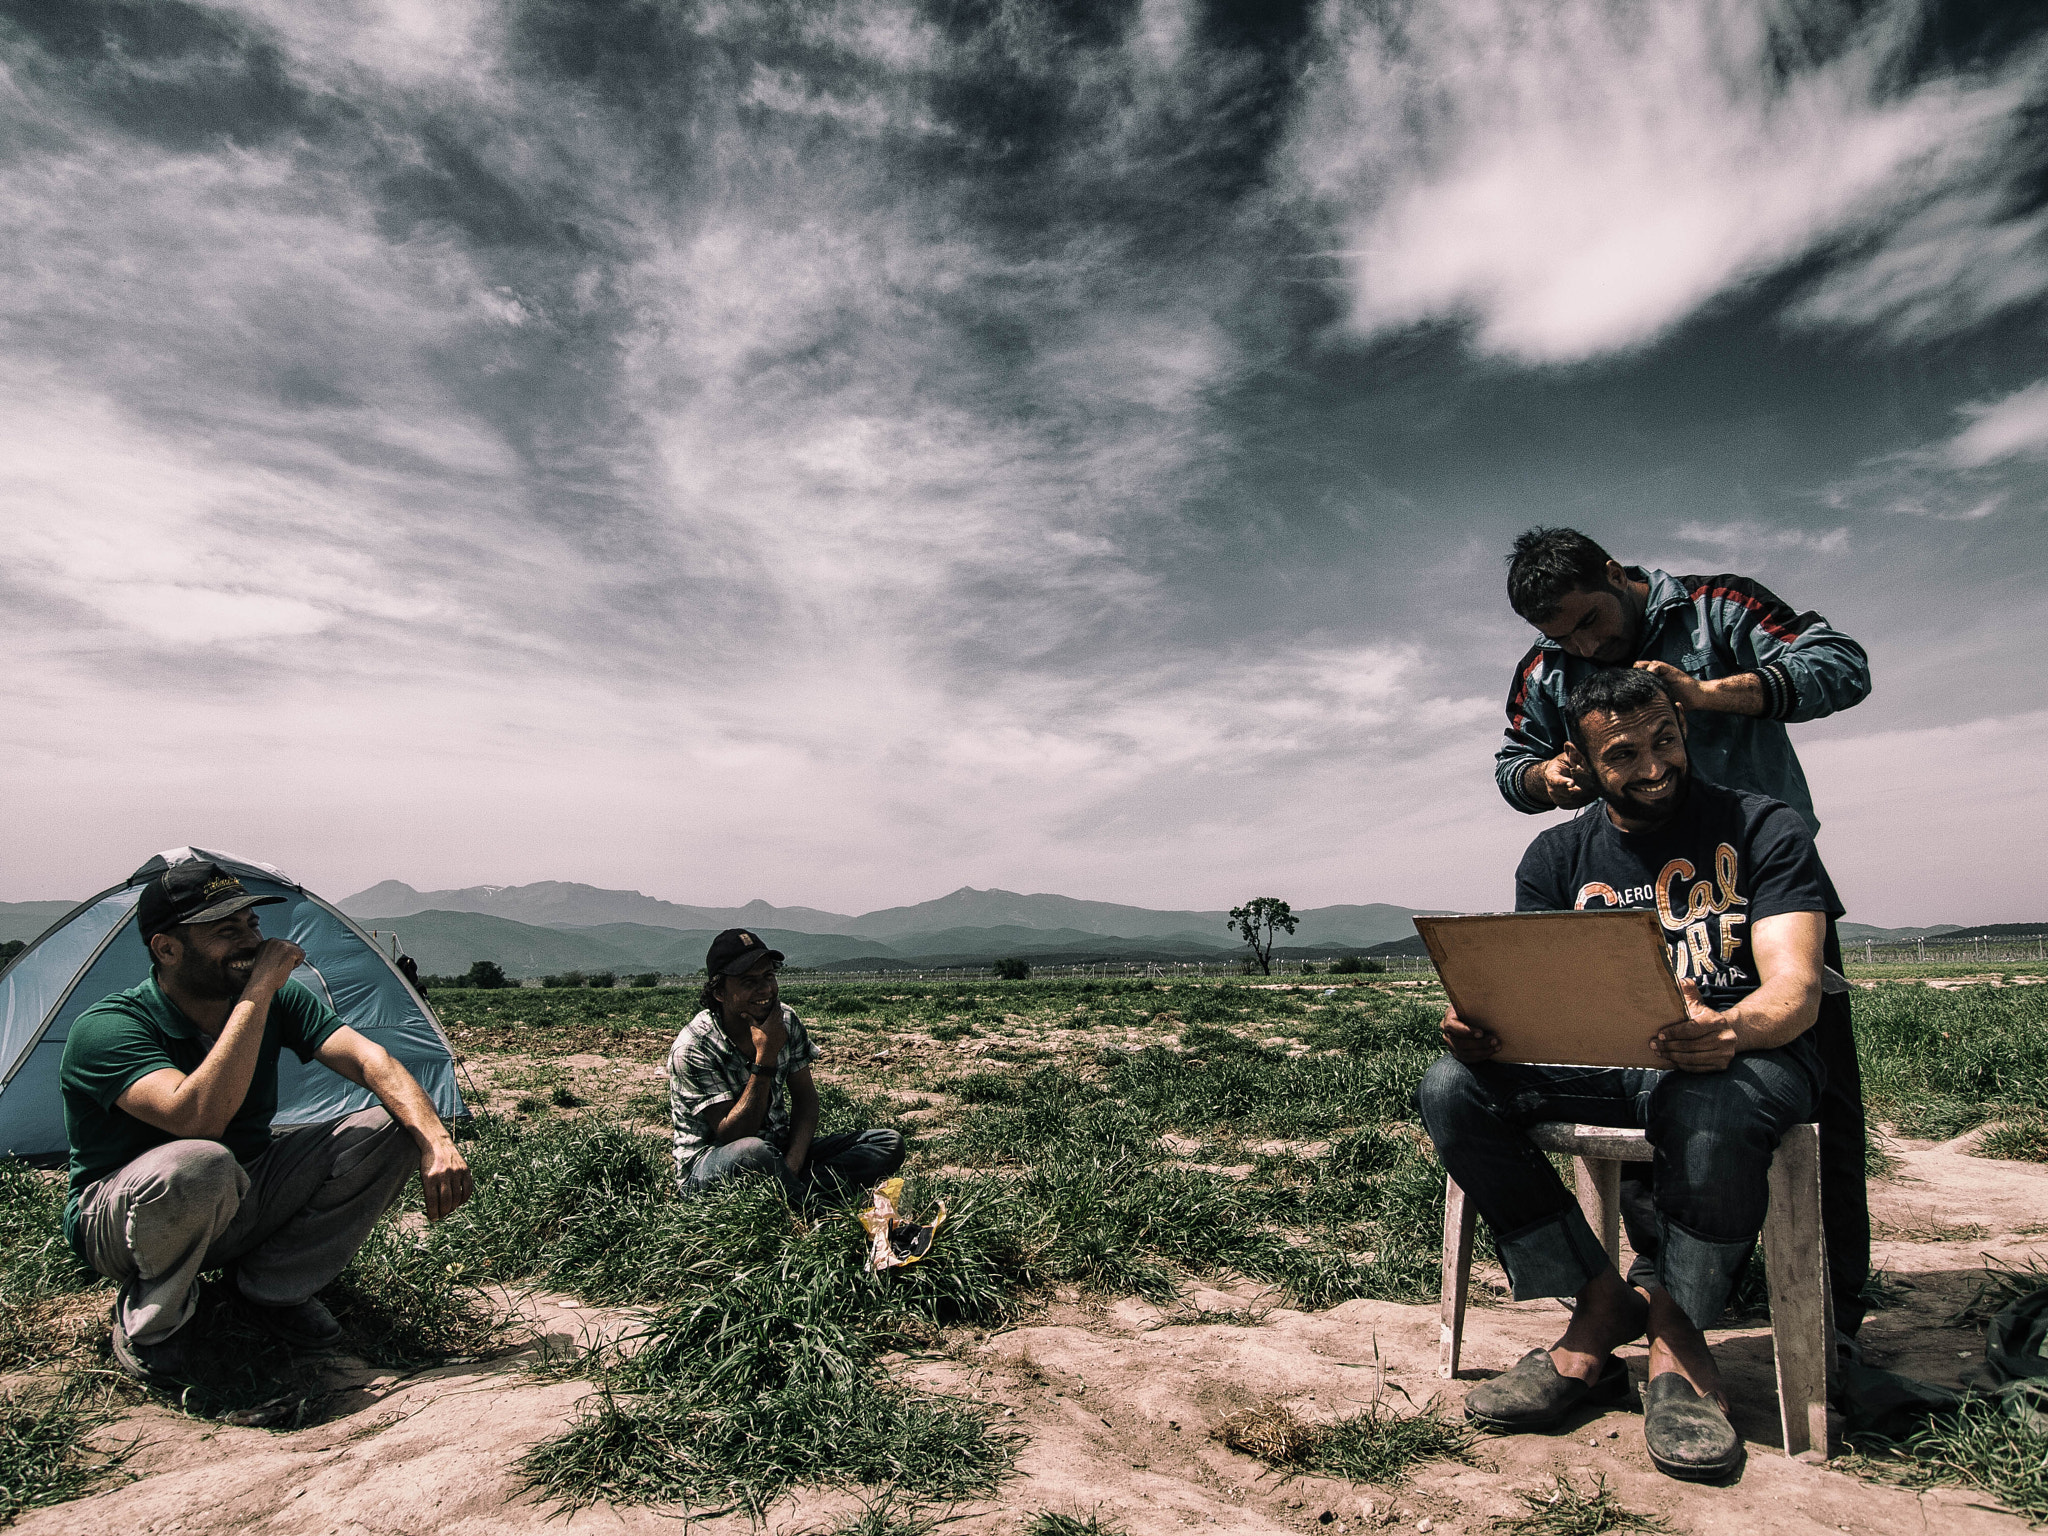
{"points": [[705, 1068]]}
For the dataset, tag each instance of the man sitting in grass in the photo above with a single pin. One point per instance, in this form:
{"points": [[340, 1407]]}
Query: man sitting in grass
{"points": [[726, 1072], [169, 1091], [1745, 905]]}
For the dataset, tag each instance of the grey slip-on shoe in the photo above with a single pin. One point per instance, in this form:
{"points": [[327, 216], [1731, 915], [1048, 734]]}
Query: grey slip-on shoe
{"points": [[1686, 1434], [1534, 1395]]}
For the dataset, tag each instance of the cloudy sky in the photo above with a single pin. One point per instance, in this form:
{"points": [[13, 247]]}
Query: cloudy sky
{"points": [[839, 452]]}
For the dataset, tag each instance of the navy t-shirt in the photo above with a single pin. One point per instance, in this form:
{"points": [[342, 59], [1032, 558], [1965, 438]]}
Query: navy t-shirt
{"points": [[1728, 859]]}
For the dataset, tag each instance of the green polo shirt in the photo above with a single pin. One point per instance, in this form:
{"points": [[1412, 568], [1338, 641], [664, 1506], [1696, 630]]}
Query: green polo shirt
{"points": [[116, 1043]]}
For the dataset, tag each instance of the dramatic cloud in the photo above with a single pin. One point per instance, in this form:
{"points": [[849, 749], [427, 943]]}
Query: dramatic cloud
{"points": [[838, 452], [2003, 429], [1578, 178]]}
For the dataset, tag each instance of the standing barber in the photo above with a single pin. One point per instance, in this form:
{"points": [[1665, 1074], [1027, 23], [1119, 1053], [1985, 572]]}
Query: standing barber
{"points": [[1743, 665]]}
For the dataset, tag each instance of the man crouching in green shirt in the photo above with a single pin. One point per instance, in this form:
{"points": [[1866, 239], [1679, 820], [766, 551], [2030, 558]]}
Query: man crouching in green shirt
{"points": [[169, 1091]]}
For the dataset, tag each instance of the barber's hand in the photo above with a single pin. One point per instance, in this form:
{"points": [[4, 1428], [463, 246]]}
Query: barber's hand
{"points": [[274, 964], [1680, 684], [444, 1179], [1566, 780], [1468, 1042], [1705, 1042]]}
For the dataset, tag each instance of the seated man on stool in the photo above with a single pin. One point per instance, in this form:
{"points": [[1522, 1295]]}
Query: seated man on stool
{"points": [[1745, 905], [169, 1091], [726, 1073]]}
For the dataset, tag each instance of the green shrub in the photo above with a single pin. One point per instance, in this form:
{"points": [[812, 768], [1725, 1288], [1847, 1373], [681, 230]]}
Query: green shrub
{"points": [[1012, 969]]}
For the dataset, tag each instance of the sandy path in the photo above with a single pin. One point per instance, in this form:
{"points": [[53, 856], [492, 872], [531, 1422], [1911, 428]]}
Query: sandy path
{"points": [[1118, 1405]]}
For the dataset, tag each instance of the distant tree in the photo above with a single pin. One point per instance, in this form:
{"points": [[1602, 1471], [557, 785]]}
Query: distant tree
{"points": [[1013, 969], [565, 979], [1308, 968], [1260, 922], [647, 979], [604, 979], [10, 949], [487, 974]]}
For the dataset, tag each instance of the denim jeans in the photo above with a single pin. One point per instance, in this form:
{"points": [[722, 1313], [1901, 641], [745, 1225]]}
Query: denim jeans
{"points": [[837, 1165], [1844, 1196], [1713, 1134]]}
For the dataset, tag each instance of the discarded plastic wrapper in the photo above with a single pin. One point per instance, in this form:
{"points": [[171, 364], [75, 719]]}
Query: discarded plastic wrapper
{"points": [[895, 1240]]}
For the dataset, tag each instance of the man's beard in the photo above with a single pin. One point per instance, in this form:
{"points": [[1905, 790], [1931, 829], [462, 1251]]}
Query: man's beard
{"points": [[1655, 812], [214, 979]]}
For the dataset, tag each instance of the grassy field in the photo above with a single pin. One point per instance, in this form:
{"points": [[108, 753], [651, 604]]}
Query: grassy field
{"points": [[1089, 1137]]}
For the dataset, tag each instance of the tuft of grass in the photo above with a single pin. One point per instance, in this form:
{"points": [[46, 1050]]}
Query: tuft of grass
{"points": [[1240, 1317], [982, 1088], [649, 1104], [44, 1290], [1976, 1445], [714, 1453], [43, 1456], [883, 1516], [1377, 1446], [1566, 1510], [2023, 1139], [406, 1300], [758, 1367], [1048, 1523], [1883, 1291], [2002, 1285]]}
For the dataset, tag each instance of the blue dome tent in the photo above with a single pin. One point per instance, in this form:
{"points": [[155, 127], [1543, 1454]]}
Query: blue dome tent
{"points": [[94, 951]]}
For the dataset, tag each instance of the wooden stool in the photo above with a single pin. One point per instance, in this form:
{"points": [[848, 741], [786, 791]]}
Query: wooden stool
{"points": [[1795, 1255]]}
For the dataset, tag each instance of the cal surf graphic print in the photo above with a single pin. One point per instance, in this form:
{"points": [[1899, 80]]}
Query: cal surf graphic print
{"points": [[1698, 912]]}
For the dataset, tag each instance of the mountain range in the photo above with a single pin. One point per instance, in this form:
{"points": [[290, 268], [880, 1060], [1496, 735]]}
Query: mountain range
{"points": [[558, 925], [563, 904], [553, 926]]}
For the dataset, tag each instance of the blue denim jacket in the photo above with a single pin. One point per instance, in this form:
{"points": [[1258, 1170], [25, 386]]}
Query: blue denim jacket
{"points": [[1710, 627]]}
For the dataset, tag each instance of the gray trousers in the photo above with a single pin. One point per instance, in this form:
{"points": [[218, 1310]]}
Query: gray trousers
{"points": [[289, 1222]]}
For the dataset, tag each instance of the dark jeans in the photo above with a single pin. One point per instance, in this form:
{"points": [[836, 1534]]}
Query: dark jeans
{"points": [[837, 1164], [1713, 1134], [1844, 1201]]}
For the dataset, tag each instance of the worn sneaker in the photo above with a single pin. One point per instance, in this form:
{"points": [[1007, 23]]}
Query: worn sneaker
{"points": [[307, 1324], [1533, 1394], [1687, 1435], [165, 1363]]}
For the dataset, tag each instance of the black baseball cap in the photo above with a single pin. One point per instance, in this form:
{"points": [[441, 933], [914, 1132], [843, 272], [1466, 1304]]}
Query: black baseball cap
{"points": [[198, 891], [737, 950]]}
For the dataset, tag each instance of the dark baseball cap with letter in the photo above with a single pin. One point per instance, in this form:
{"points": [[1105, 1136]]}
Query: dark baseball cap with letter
{"points": [[198, 891], [736, 951]]}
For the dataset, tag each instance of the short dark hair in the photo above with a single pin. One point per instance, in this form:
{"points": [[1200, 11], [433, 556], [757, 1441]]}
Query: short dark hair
{"points": [[1547, 563], [1612, 691]]}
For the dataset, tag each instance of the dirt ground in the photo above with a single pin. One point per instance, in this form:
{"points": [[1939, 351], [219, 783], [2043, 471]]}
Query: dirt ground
{"points": [[1118, 1404]]}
